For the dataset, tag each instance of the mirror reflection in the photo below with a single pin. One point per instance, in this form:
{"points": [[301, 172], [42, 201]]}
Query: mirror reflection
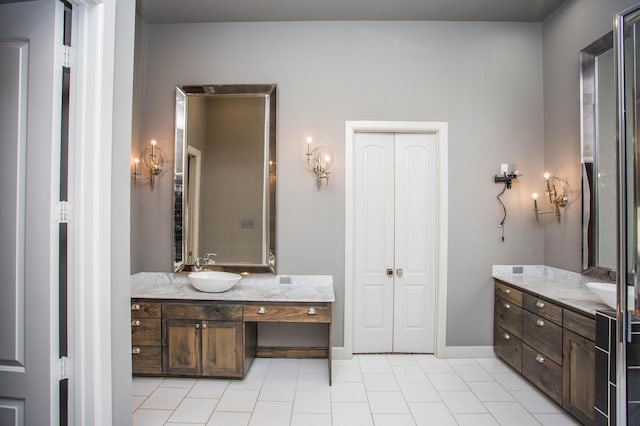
{"points": [[224, 204], [598, 156]]}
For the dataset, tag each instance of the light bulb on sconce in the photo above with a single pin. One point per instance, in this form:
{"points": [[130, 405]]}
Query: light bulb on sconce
{"points": [[153, 158], [319, 160], [557, 199]]}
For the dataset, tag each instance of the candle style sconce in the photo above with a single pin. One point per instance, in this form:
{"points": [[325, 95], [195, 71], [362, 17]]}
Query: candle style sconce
{"points": [[556, 198], [153, 158], [319, 159]]}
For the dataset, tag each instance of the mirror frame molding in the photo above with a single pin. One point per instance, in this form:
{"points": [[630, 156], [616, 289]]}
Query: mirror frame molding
{"points": [[269, 247], [588, 157]]}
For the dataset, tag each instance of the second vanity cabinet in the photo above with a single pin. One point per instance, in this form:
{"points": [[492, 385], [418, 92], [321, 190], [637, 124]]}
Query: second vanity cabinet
{"points": [[551, 345]]}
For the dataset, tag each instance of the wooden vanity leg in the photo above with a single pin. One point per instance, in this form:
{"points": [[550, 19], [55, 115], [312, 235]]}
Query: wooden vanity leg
{"points": [[330, 348]]}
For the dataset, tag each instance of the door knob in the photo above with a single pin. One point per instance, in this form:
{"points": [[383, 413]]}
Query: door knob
{"points": [[389, 272], [399, 272]]}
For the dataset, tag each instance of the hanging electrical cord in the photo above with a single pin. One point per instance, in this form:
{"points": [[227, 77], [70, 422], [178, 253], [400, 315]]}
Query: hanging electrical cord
{"points": [[504, 209]]}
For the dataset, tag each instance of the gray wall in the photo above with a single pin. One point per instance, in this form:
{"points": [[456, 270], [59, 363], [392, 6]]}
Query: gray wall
{"points": [[571, 28], [485, 79]]}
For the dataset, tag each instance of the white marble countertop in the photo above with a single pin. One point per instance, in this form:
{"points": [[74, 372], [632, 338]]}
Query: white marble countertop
{"points": [[559, 285], [252, 288]]}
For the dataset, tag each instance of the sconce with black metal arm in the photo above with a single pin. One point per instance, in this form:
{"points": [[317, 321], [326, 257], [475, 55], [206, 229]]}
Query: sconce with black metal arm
{"points": [[556, 198]]}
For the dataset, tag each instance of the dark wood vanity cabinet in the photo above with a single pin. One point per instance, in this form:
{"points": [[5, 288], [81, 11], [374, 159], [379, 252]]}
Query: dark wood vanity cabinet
{"points": [[146, 350], [551, 345]]}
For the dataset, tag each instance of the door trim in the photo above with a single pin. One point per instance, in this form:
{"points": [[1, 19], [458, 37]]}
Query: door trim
{"points": [[440, 129]]}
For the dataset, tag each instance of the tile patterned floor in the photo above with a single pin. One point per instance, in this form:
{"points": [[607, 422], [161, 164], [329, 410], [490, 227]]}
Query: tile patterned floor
{"points": [[380, 390]]}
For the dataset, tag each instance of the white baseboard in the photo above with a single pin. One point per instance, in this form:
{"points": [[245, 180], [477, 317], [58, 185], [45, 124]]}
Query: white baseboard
{"points": [[338, 352]]}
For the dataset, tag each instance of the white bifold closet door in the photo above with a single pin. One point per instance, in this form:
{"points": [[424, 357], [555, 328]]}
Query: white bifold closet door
{"points": [[395, 242]]}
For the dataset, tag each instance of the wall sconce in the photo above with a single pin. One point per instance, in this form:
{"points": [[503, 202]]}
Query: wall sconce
{"points": [[319, 160], [153, 158], [557, 199]]}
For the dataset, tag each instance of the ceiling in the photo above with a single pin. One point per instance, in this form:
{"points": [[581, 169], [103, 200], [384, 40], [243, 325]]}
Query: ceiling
{"points": [[185, 11]]}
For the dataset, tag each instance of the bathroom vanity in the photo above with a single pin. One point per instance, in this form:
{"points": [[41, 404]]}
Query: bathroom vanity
{"points": [[179, 331], [544, 327]]}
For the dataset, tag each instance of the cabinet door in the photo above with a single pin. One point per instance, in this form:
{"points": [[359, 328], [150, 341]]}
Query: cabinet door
{"points": [[222, 348], [181, 341], [579, 379]]}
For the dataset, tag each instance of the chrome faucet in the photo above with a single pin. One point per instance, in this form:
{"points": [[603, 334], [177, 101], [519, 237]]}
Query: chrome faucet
{"points": [[200, 262]]}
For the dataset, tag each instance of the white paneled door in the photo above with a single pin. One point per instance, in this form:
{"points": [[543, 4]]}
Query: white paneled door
{"points": [[395, 207]]}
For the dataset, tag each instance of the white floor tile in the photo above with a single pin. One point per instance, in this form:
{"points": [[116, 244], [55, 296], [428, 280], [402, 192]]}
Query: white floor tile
{"points": [[270, 413], [314, 366], [447, 382], [277, 390], [150, 417], [462, 362], [136, 401], [194, 411], [347, 373], [419, 392], [237, 400], [402, 360], [184, 424], [476, 420], [165, 398], [431, 364], [431, 413], [348, 392], [310, 419], [171, 382], [490, 391], [375, 364], [208, 388], [222, 418], [380, 382], [556, 420], [312, 402], [511, 413], [494, 365], [470, 373], [144, 386], [409, 373], [393, 420], [512, 381], [351, 414], [387, 402], [252, 381], [313, 381], [462, 402], [536, 402]]}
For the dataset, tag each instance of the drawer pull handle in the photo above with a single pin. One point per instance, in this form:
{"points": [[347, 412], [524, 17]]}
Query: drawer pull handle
{"points": [[540, 323], [506, 290], [135, 307], [311, 311], [262, 310], [197, 325], [136, 323], [540, 304], [136, 351], [540, 359], [506, 336], [507, 306]]}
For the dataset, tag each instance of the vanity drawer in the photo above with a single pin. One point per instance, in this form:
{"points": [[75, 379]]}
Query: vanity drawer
{"points": [[146, 359], [542, 372], [543, 308], [202, 311], [287, 313], [508, 347], [509, 294], [580, 324], [145, 332], [543, 335], [508, 316], [141, 309]]}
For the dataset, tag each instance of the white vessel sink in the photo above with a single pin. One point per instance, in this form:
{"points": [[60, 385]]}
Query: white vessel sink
{"points": [[213, 281], [607, 293]]}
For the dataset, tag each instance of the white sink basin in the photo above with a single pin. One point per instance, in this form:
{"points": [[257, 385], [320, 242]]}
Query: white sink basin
{"points": [[213, 281], [607, 293]]}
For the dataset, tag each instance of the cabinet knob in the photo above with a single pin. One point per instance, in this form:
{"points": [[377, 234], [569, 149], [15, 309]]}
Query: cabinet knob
{"points": [[506, 336], [135, 323], [506, 290], [262, 310], [204, 325], [540, 304], [540, 359], [540, 323], [136, 350], [135, 307], [197, 325], [507, 306], [311, 311]]}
